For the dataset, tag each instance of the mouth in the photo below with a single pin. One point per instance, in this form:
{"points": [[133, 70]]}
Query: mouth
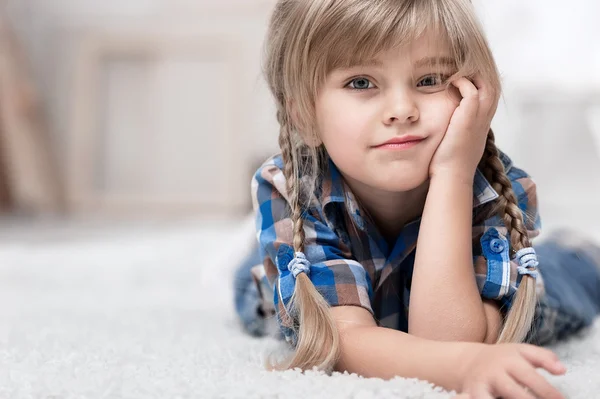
{"points": [[400, 143]]}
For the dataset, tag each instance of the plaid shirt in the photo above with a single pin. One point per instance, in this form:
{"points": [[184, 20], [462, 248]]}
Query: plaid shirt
{"points": [[352, 264]]}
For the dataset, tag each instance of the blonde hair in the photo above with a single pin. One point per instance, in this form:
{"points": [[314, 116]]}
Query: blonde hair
{"points": [[307, 39]]}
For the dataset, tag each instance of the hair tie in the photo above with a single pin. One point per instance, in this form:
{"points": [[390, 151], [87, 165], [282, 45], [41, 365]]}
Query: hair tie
{"points": [[299, 265], [528, 262]]}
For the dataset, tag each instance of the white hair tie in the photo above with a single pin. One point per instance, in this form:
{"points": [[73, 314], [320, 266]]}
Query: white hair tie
{"points": [[528, 262], [299, 265]]}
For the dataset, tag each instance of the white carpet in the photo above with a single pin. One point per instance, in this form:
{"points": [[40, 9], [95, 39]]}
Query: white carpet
{"points": [[145, 311]]}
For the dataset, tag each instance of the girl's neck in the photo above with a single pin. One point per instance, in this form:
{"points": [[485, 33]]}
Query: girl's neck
{"points": [[390, 211]]}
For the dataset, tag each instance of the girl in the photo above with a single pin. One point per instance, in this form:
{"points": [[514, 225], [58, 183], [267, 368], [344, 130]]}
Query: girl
{"points": [[390, 206]]}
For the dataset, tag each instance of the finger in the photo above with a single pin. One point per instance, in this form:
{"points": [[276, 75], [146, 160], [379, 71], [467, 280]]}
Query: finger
{"points": [[466, 87], [463, 396], [470, 96], [488, 100], [479, 84], [543, 358], [507, 387], [527, 376]]}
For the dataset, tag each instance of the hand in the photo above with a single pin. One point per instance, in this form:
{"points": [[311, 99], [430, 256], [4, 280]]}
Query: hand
{"points": [[508, 371], [463, 143]]}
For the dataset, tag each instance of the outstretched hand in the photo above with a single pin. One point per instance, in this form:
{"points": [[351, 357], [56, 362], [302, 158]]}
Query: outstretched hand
{"points": [[508, 371]]}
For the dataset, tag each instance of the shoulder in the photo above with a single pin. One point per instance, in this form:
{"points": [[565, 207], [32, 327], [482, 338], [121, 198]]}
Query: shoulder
{"points": [[270, 170], [525, 190], [522, 182], [269, 180]]}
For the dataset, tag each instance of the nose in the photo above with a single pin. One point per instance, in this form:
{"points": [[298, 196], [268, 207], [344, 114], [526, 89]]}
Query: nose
{"points": [[400, 107]]}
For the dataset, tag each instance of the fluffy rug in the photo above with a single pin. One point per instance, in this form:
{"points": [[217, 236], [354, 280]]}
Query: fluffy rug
{"points": [[145, 310]]}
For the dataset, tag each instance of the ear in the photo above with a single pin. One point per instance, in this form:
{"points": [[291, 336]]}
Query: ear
{"points": [[310, 137]]}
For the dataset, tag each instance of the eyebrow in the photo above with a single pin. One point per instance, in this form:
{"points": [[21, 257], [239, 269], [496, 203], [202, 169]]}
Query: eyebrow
{"points": [[425, 61]]}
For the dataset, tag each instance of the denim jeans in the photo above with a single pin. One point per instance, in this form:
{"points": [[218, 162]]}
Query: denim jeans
{"points": [[247, 298], [572, 283]]}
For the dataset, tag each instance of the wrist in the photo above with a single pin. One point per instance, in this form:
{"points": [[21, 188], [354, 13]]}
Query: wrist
{"points": [[454, 176], [451, 364], [459, 357]]}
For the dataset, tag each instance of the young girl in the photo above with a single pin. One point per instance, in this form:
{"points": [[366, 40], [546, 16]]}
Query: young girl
{"points": [[390, 206]]}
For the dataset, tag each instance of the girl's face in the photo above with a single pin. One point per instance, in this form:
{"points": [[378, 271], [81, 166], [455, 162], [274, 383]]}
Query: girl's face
{"points": [[400, 94]]}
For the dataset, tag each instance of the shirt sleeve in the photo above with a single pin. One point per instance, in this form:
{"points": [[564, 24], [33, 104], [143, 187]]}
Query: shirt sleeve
{"points": [[338, 278], [496, 273]]}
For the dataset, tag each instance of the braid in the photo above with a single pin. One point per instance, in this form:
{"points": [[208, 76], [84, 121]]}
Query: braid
{"points": [[519, 318], [507, 204], [318, 340], [291, 173]]}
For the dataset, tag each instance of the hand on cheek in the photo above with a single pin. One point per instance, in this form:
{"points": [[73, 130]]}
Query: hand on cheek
{"points": [[463, 143]]}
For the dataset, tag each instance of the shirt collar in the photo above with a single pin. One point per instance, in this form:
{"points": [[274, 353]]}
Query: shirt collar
{"points": [[483, 192]]}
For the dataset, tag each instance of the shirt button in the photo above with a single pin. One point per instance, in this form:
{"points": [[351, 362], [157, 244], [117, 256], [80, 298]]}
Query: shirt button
{"points": [[497, 245]]}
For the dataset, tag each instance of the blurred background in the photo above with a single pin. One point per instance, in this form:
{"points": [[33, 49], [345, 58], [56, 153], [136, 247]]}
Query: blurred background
{"points": [[127, 110]]}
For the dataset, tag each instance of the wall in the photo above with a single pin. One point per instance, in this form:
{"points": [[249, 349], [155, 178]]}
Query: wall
{"points": [[52, 36]]}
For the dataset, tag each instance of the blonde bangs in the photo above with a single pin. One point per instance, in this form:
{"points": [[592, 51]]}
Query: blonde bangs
{"points": [[353, 32]]}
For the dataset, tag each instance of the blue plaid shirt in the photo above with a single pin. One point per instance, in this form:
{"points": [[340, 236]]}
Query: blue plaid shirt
{"points": [[352, 264]]}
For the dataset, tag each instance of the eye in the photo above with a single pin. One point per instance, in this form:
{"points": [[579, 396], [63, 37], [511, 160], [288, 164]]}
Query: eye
{"points": [[359, 84], [431, 80]]}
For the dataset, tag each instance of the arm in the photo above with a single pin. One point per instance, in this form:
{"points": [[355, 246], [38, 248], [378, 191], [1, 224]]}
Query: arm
{"points": [[445, 303], [339, 278], [373, 351], [492, 268], [471, 368]]}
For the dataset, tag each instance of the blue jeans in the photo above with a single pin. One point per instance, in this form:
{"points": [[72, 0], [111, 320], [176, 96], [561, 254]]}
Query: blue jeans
{"points": [[247, 298], [571, 302], [572, 283]]}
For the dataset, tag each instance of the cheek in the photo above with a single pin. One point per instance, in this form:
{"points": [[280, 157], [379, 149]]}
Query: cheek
{"points": [[437, 111], [339, 120]]}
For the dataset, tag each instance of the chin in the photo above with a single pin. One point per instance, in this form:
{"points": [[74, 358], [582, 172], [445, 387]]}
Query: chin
{"points": [[397, 183]]}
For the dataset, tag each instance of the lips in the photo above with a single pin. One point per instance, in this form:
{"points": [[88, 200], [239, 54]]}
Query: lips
{"points": [[402, 140]]}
